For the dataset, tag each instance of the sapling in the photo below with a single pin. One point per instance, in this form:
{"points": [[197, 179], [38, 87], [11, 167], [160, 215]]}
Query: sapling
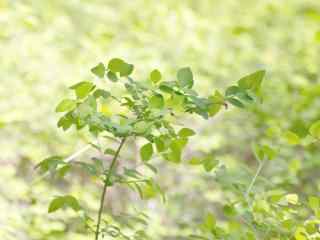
{"points": [[150, 110]]}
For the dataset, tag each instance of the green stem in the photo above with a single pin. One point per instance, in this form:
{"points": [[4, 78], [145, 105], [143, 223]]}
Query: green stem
{"points": [[254, 179], [105, 186]]}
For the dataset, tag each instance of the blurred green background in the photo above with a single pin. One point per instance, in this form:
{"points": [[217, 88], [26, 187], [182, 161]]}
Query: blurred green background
{"points": [[46, 46]]}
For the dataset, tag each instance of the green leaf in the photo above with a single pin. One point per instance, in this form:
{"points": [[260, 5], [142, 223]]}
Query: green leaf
{"points": [[213, 109], [252, 81], [112, 76], [82, 89], [142, 127], [157, 101], [66, 105], [50, 164], [229, 210], [176, 102], [217, 100], [56, 204], [300, 234], [258, 152], [117, 65], [217, 97], [314, 203], [89, 106], [209, 163], [101, 93], [155, 76], [99, 70], [268, 152], [72, 202], [176, 147], [166, 87], [291, 138], [185, 77], [235, 102], [263, 151], [233, 90], [126, 69], [159, 144], [64, 201], [146, 152], [314, 130], [210, 222], [186, 132], [66, 121]]}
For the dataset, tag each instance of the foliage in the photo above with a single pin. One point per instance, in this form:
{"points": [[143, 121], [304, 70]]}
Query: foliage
{"points": [[151, 110]]}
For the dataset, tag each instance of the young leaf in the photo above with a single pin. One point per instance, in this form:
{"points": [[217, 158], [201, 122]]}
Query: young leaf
{"points": [[66, 105], [233, 90], [185, 77], [186, 132], [66, 121], [99, 70], [229, 210], [291, 138], [64, 201], [72, 202], [155, 76], [157, 101], [210, 222], [176, 150], [210, 163], [112, 76], [126, 69], [258, 152], [252, 81], [146, 152], [101, 93], [82, 89], [159, 144], [314, 130], [50, 164], [216, 101], [268, 152], [117, 65], [56, 204], [235, 102], [314, 203]]}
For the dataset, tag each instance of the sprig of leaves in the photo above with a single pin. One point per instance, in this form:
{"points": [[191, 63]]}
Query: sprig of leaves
{"points": [[150, 111]]}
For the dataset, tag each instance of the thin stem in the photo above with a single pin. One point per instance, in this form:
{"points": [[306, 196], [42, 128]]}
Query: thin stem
{"points": [[105, 186], [254, 179]]}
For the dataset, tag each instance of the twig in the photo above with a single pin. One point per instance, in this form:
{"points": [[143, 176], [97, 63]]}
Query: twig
{"points": [[254, 179]]}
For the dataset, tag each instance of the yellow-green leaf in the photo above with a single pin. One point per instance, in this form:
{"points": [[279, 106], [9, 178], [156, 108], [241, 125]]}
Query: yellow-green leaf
{"points": [[315, 129], [66, 105], [155, 76], [186, 132], [291, 138], [146, 152]]}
